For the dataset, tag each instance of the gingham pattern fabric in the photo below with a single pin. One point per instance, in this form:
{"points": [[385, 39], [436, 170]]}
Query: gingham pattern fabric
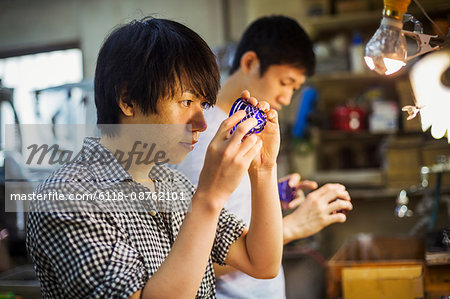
{"points": [[106, 249]]}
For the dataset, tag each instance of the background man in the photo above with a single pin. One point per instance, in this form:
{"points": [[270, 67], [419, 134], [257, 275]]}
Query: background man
{"points": [[272, 60]]}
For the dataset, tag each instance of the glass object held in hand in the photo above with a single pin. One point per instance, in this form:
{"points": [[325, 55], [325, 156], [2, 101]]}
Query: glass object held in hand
{"points": [[286, 192], [252, 111]]}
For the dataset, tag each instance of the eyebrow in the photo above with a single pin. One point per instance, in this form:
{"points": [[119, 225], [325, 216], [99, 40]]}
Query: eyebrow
{"points": [[191, 91], [292, 80], [289, 78]]}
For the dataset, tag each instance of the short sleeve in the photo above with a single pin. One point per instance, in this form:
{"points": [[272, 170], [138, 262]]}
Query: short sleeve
{"points": [[86, 253], [229, 229], [124, 274]]}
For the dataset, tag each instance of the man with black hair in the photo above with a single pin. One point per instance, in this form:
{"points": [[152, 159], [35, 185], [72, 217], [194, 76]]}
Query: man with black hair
{"points": [[272, 60], [156, 72]]}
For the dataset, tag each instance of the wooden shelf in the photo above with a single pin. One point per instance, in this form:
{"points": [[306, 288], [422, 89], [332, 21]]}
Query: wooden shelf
{"points": [[336, 135], [357, 136], [372, 194], [332, 23], [437, 258], [367, 184], [371, 178], [326, 23], [347, 76]]}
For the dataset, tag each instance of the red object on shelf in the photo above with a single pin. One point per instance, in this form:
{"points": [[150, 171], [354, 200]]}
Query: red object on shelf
{"points": [[349, 118]]}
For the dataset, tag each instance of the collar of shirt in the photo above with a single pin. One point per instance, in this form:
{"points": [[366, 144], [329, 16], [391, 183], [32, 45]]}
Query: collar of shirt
{"points": [[108, 172], [106, 166]]}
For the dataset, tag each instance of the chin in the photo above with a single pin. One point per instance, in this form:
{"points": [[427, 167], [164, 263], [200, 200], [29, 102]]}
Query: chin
{"points": [[178, 156]]}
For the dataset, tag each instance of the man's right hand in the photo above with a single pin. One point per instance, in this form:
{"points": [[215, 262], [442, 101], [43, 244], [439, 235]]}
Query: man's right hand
{"points": [[228, 157], [316, 211]]}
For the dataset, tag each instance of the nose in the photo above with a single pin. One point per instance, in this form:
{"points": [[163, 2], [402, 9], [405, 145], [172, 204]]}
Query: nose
{"points": [[198, 122], [285, 98]]}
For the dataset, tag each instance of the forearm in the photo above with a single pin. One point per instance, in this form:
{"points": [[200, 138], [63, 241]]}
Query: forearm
{"points": [[222, 270], [291, 231], [181, 273], [264, 238]]}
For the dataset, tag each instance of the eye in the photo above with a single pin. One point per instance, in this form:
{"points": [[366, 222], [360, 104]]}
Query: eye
{"points": [[282, 83], [206, 105], [186, 103]]}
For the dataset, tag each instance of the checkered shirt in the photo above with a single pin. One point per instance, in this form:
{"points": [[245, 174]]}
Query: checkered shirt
{"points": [[107, 249]]}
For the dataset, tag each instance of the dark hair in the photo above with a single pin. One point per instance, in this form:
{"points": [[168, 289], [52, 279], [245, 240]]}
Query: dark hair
{"points": [[147, 59], [276, 40]]}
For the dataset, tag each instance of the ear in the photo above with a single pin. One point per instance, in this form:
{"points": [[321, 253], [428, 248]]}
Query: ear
{"points": [[249, 62], [125, 104]]}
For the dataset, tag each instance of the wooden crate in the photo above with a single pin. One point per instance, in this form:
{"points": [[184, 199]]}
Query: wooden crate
{"points": [[370, 251], [387, 282], [437, 281]]}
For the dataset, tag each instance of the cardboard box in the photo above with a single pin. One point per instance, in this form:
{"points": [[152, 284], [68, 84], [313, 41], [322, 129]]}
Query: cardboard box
{"points": [[387, 282], [375, 252]]}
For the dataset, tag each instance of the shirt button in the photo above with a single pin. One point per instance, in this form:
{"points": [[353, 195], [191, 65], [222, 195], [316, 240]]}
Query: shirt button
{"points": [[152, 213]]}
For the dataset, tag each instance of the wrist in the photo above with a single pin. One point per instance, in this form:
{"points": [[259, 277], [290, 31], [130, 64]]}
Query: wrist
{"points": [[208, 202], [263, 171], [290, 230]]}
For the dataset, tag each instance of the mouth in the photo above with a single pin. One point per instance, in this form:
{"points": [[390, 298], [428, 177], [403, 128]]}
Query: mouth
{"points": [[276, 108], [188, 145]]}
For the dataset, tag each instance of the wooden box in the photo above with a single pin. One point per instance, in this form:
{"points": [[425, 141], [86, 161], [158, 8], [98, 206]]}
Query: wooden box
{"points": [[367, 251], [387, 282]]}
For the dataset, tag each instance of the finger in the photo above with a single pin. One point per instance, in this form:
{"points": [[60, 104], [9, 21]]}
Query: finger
{"points": [[230, 122], [246, 144], [264, 106], [242, 129], [339, 205], [336, 218], [296, 202], [326, 189], [299, 194], [342, 195], [254, 151], [294, 180], [330, 195], [307, 185], [272, 116], [252, 101], [245, 94], [286, 177]]}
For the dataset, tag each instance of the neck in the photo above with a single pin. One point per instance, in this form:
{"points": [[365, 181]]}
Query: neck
{"points": [[127, 158], [230, 91]]}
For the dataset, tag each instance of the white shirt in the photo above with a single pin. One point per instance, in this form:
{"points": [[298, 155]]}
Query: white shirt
{"points": [[235, 284]]}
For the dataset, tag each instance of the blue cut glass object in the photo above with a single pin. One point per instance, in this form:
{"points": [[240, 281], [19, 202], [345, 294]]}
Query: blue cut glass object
{"points": [[252, 111], [286, 192]]}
